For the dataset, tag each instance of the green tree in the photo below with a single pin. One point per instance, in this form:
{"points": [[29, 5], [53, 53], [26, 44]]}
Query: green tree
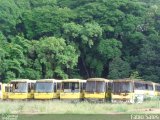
{"points": [[45, 21], [149, 66], [9, 17], [54, 57], [119, 68], [13, 57]]}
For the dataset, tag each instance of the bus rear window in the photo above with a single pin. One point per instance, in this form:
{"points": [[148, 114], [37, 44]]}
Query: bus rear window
{"points": [[149, 87], [122, 87], [139, 86], [157, 88]]}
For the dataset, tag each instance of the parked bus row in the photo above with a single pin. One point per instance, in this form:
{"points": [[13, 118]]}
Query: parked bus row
{"points": [[92, 89]]}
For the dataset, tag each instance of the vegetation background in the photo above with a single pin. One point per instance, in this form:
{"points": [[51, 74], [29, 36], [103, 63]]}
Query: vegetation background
{"points": [[79, 38]]}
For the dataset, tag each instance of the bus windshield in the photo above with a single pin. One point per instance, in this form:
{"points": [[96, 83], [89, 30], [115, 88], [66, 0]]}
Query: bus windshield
{"points": [[43, 87], [20, 87], [70, 87], [122, 87], [95, 86]]}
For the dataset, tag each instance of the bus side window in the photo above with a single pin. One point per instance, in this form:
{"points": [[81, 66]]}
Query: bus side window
{"points": [[81, 86], [150, 87], [55, 87], [6, 89], [84, 86], [138, 86], [16, 86], [32, 86], [146, 86], [143, 86], [109, 86], [29, 87], [157, 88], [106, 87], [10, 88], [62, 86], [58, 86]]}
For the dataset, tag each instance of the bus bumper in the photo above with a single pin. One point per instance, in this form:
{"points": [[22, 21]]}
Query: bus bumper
{"points": [[45, 96], [71, 96], [16, 96]]}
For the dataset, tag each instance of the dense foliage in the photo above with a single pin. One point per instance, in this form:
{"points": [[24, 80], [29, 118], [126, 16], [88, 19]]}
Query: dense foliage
{"points": [[79, 39]]}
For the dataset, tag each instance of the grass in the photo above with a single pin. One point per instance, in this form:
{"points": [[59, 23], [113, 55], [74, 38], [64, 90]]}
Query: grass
{"points": [[62, 107]]}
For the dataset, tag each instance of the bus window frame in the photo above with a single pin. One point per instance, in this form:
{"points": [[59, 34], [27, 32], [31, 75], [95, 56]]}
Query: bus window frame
{"points": [[54, 87], [140, 83], [58, 85]]}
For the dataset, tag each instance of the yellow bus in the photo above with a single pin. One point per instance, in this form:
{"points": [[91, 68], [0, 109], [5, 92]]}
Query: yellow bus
{"points": [[131, 91], [157, 89], [149, 90], [47, 89], [98, 89], [1, 95], [21, 89], [5, 90], [72, 89]]}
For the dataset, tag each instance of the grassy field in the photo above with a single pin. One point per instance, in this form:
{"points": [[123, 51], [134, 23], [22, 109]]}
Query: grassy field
{"points": [[62, 107]]}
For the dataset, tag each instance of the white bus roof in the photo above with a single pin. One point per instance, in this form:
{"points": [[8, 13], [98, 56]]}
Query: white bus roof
{"points": [[132, 80], [98, 79], [22, 80], [73, 80], [48, 80]]}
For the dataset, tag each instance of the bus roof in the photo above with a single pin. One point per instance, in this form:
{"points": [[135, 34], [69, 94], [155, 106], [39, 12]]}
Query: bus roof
{"points": [[132, 80], [98, 79], [48, 80], [22, 80], [73, 80], [5, 84], [158, 84]]}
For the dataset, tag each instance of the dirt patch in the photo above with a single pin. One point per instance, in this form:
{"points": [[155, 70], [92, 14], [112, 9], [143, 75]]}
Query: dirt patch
{"points": [[149, 110]]}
